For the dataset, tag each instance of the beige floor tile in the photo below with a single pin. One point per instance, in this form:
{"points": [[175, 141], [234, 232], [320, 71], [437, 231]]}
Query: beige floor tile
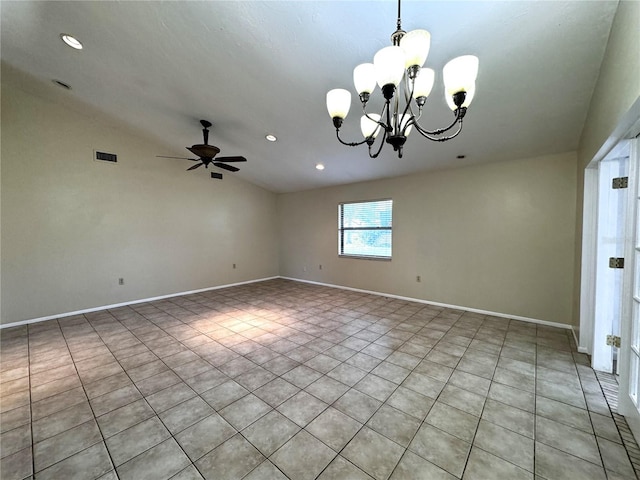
{"points": [[373, 453], [453, 421], [158, 463], [303, 457], [364, 375], [204, 436], [334, 428], [414, 467], [270, 432]]}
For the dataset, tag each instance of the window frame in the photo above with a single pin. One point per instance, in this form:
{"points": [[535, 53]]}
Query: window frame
{"points": [[342, 230]]}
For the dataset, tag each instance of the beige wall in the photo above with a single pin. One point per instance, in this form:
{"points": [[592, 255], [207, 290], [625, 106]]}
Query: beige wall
{"points": [[618, 83], [496, 237], [72, 226], [617, 89]]}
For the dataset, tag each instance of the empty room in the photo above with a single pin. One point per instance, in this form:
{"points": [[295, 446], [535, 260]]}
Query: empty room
{"points": [[322, 240]]}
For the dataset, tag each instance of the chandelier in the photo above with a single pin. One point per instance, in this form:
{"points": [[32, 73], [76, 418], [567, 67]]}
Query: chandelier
{"points": [[405, 58]]}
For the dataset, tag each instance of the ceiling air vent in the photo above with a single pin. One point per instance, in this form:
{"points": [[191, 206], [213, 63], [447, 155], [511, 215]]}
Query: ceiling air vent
{"points": [[106, 157]]}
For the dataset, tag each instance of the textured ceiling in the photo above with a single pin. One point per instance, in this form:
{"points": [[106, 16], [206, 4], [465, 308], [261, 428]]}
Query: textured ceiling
{"points": [[254, 68]]}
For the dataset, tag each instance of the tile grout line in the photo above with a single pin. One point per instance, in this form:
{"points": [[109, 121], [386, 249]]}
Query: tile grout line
{"points": [[591, 422], [484, 404], [329, 406], [393, 324], [198, 394], [133, 384], [143, 397], [33, 445], [95, 419], [372, 415], [535, 406]]}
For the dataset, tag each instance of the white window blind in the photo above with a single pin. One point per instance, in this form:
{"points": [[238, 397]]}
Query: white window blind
{"points": [[364, 229]]}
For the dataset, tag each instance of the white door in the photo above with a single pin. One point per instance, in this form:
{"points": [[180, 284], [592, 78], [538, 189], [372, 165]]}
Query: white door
{"points": [[628, 404], [611, 219]]}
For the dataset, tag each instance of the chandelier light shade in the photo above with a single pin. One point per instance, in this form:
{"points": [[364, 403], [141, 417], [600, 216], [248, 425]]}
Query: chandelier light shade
{"points": [[338, 102], [423, 83], [389, 66], [364, 78], [460, 74], [369, 125], [416, 45], [404, 101]]}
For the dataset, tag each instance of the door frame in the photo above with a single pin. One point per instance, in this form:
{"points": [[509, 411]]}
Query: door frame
{"points": [[625, 405], [627, 128], [589, 257]]}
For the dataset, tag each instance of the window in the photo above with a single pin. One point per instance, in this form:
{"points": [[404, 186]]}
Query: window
{"points": [[364, 229]]}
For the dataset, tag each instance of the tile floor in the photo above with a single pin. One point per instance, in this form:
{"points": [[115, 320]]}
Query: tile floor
{"points": [[279, 379]]}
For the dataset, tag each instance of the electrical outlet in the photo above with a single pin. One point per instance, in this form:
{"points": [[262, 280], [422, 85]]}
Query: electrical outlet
{"points": [[320, 267], [418, 279], [121, 281], [234, 265]]}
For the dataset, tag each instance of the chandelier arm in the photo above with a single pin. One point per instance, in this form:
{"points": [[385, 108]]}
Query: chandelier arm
{"points": [[416, 118], [408, 90], [382, 124], [382, 142], [408, 94], [440, 131], [439, 139], [349, 144]]}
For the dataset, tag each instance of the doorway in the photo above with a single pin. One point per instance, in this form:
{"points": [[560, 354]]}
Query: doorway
{"points": [[610, 296]]}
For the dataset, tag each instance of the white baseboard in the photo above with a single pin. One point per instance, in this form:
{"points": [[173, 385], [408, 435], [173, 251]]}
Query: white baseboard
{"points": [[382, 294], [438, 304], [575, 337], [133, 302]]}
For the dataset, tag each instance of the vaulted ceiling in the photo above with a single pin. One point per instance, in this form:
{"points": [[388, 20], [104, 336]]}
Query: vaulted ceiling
{"points": [[254, 68]]}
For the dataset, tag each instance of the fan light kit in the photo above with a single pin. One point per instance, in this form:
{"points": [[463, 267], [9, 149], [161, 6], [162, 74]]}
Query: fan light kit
{"points": [[72, 41], [206, 153], [405, 58]]}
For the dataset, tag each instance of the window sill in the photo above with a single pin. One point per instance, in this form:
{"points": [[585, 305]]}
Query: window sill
{"points": [[366, 257]]}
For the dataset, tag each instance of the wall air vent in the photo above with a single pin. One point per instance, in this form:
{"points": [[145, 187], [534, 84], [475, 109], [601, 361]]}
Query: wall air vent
{"points": [[106, 157]]}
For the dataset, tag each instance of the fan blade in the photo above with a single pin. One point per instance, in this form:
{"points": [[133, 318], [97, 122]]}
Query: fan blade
{"points": [[216, 175], [195, 166], [178, 158], [231, 168], [231, 159]]}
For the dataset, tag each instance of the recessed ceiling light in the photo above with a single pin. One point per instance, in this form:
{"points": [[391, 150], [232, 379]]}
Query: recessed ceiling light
{"points": [[66, 86], [271, 138], [72, 41], [319, 166]]}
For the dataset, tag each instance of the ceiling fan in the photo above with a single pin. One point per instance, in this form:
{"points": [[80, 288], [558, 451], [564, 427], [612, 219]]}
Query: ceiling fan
{"points": [[206, 154]]}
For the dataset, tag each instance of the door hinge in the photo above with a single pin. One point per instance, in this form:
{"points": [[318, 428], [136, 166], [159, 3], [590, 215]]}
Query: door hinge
{"points": [[616, 262], [620, 182], [613, 340]]}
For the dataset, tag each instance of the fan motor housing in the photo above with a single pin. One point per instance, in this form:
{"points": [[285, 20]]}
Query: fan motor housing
{"points": [[204, 150]]}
